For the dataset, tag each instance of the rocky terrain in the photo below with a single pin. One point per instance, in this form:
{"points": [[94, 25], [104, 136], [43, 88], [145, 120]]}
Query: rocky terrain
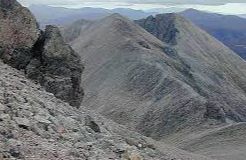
{"points": [[42, 55], [34, 124], [171, 84], [35, 120], [160, 77]]}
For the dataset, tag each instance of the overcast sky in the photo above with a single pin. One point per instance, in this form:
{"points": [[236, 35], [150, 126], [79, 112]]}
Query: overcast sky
{"points": [[221, 6]]}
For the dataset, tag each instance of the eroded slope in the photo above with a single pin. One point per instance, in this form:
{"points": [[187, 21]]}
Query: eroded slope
{"points": [[36, 125]]}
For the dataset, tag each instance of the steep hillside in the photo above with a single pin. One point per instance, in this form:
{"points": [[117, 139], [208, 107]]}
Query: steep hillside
{"points": [[166, 90], [36, 125], [231, 30]]}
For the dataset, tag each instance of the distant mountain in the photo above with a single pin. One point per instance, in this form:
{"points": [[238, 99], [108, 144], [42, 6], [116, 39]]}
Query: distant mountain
{"points": [[61, 16], [173, 88], [242, 15], [167, 10], [229, 29], [133, 14]]}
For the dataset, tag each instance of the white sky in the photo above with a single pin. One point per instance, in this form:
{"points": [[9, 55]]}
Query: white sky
{"points": [[219, 6]]}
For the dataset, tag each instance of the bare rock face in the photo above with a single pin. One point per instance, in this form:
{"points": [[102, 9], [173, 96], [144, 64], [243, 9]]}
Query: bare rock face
{"points": [[43, 55], [57, 67], [18, 32], [165, 30]]}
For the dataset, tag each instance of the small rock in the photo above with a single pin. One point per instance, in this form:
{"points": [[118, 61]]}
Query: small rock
{"points": [[2, 107], [4, 117], [42, 119], [15, 153], [132, 156], [92, 124], [22, 122], [140, 145]]}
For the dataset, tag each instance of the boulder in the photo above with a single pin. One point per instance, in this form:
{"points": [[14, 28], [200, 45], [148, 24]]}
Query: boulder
{"points": [[18, 31]]}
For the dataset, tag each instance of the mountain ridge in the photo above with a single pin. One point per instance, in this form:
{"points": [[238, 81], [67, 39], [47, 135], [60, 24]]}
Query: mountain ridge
{"points": [[164, 90]]}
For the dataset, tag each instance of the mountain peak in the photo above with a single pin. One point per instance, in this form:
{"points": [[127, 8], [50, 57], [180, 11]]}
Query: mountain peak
{"points": [[119, 24], [115, 16], [191, 10], [166, 30]]}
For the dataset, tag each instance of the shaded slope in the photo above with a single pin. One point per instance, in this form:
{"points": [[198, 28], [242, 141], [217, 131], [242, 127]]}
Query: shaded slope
{"points": [[36, 125], [231, 30]]}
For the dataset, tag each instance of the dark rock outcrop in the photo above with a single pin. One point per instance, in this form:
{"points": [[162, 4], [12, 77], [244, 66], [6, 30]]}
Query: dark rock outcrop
{"points": [[214, 111], [57, 67], [165, 30], [43, 56]]}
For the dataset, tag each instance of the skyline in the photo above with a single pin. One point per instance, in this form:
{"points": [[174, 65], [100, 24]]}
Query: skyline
{"points": [[225, 7]]}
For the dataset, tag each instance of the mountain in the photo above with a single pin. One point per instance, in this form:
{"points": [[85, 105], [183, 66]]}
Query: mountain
{"points": [[61, 16], [35, 124], [170, 90], [228, 29]]}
